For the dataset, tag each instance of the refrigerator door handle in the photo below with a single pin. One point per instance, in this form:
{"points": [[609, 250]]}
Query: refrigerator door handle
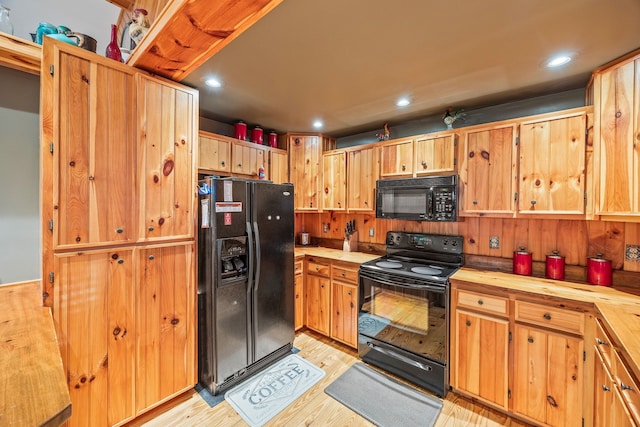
{"points": [[251, 332], [257, 234]]}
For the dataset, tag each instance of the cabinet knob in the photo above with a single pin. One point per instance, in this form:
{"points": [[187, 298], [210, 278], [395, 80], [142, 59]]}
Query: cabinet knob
{"points": [[119, 230], [547, 316], [317, 268], [480, 302], [533, 202], [605, 388], [468, 322], [222, 163], [322, 286], [623, 386], [339, 204], [152, 257], [366, 202], [349, 293], [120, 261], [343, 274], [600, 342], [424, 164], [150, 228], [530, 339], [404, 166], [239, 165], [475, 202]]}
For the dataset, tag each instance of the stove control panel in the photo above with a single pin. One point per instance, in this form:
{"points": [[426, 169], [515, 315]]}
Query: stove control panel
{"points": [[425, 242]]}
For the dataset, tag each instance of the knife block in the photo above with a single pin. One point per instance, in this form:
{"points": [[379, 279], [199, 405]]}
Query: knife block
{"points": [[351, 242]]}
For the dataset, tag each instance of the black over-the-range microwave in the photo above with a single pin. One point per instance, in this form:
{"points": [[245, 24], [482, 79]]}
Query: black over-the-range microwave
{"points": [[429, 198]]}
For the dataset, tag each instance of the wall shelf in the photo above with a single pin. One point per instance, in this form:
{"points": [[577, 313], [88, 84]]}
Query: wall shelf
{"points": [[20, 54]]}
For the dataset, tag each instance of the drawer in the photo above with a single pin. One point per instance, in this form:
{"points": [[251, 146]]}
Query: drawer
{"points": [[628, 387], [298, 267], [486, 303], [345, 274], [318, 268], [556, 318], [603, 344]]}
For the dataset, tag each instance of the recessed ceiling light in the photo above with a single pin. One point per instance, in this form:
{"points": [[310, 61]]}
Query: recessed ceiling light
{"points": [[213, 82], [559, 60], [317, 124], [403, 102]]}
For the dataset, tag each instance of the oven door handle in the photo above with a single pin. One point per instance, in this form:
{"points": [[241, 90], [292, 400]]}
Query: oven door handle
{"points": [[440, 289], [395, 355]]}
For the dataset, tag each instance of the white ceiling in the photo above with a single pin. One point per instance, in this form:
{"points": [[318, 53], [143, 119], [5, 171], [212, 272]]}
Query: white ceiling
{"points": [[348, 61]]}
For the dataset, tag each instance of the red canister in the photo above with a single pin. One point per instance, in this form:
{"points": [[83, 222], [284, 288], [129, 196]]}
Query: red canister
{"points": [[273, 140], [599, 271], [241, 131], [256, 135], [554, 266], [522, 261]]}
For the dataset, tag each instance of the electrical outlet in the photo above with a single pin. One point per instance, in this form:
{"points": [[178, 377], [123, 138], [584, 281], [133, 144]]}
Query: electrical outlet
{"points": [[372, 232], [325, 228], [494, 242], [632, 253]]}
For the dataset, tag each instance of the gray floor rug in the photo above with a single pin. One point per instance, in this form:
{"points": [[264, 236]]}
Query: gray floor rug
{"points": [[383, 400]]}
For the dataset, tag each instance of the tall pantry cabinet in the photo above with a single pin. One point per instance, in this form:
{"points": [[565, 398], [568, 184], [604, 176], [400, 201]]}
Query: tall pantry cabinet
{"points": [[118, 200]]}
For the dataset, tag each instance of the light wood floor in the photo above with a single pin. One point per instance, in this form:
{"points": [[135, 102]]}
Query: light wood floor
{"points": [[315, 407]]}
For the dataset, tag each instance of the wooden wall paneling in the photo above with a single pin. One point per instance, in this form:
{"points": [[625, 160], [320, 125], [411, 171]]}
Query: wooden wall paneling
{"points": [[542, 237], [573, 241], [521, 235], [489, 227], [614, 243], [632, 237], [507, 239], [471, 244]]}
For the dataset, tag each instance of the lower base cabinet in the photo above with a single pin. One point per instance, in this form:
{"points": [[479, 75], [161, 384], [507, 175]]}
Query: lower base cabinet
{"points": [[125, 320], [298, 292]]}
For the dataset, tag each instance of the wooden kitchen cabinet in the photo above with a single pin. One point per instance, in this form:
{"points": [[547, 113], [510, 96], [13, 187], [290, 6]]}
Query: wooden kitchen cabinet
{"points": [[396, 158], [298, 292], [616, 136], [214, 154], [344, 303], [317, 296], [278, 166], [168, 115], [480, 336], [548, 365], [334, 178], [552, 164], [95, 318], [487, 165], [363, 170], [306, 167], [435, 153], [166, 308], [247, 158]]}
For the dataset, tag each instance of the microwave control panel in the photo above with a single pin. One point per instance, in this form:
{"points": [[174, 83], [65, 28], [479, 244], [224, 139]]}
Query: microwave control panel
{"points": [[444, 204]]}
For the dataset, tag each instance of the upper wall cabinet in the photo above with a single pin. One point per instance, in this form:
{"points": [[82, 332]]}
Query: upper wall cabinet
{"points": [[552, 164], [616, 96], [435, 153], [214, 154], [396, 158], [306, 167], [247, 158], [487, 169], [363, 169], [334, 177]]}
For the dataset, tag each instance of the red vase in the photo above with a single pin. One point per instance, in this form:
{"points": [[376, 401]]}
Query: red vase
{"points": [[113, 51]]}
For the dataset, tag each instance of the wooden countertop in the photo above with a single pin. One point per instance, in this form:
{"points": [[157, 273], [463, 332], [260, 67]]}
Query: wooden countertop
{"points": [[334, 254], [34, 388], [619, 310]]}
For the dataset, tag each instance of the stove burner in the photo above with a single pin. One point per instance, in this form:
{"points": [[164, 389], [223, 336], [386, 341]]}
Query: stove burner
{"points": [[426, 270], [389, 264]]}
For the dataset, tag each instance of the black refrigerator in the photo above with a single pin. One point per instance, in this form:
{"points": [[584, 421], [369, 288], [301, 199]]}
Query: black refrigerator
{"points": [[245, 278]]}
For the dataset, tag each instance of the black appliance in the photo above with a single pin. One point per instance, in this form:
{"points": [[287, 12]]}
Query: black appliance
{"points": [[429, 198], [403, 320], [245, 278]]}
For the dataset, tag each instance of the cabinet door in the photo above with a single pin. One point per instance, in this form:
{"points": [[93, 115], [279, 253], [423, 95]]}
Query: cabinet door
{"points": [[616, 144], [298, 290], [247, 159], [94, 153], [96, 327], [344, 313], [480, 356], [603, 394], [396, 159], [317, 300], [168, 138], [363, 170], [278, 166], [487, 171], [214, 154], [547, 380], [305, 173], [435, 154], [552, 166], [166, 307], [335, 181]]}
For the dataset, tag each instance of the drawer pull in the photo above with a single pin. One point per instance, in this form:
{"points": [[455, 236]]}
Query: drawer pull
{"points": [[623, 386], [344, 274], [600, 342], [322, 286], [552, 401], [480, 302], [317, 268], [547, 316], [349, 293], [468, 322], [530, 339], [119, 230], [605, 388]]}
